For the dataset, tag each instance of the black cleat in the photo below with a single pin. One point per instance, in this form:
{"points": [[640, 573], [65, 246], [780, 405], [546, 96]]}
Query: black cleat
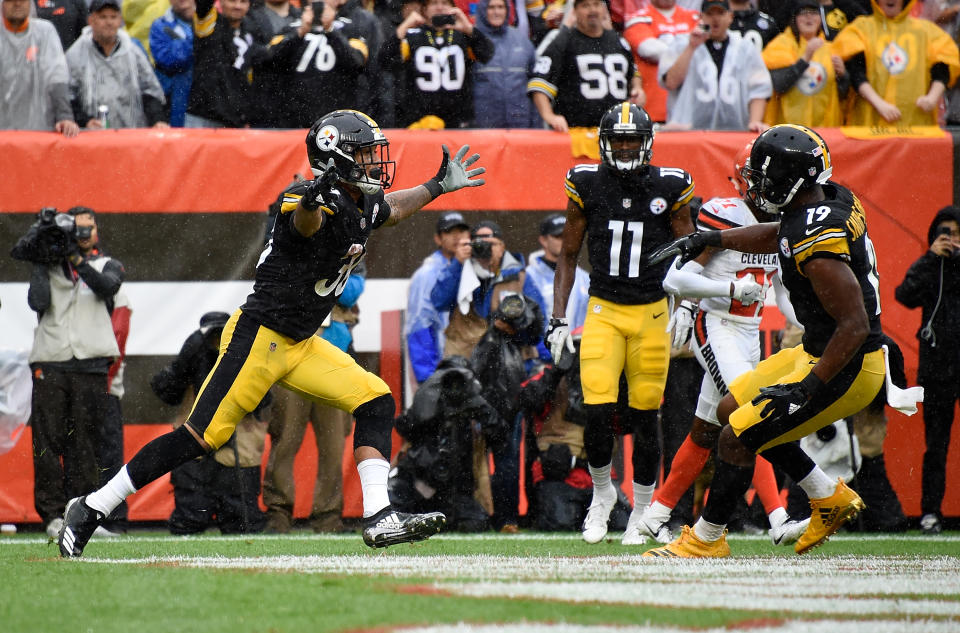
{"points": [[389, 527], [79, 523]]}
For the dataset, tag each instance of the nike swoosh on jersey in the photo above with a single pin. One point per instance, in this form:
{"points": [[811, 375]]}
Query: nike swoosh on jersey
{"points": [[658, 315], [811, 231]]}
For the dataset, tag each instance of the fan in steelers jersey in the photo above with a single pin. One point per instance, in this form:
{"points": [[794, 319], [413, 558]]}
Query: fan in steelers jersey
{"points": [[624, 207], [318, 238], [828, 265]]}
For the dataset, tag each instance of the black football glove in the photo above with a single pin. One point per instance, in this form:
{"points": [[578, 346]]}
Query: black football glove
{"points": [[687, 247], [787, 399], [319, 187]]}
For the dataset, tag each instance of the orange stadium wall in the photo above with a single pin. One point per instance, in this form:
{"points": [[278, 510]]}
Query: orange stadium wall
{"points": [[902, 182]]}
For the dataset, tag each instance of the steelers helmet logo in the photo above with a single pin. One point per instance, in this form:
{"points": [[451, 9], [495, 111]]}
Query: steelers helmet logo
{"points": [[895, 59], [785, 247], [658, 205], [328, 137], [813, 79]]}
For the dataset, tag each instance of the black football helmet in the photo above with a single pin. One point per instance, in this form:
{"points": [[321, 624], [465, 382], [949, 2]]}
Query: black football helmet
{"points": [[340, 135], [784, 160], [626, 121]]}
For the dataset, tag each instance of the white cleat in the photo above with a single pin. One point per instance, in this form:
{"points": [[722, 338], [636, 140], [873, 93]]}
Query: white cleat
{"points": [[787, 532], [595, 525], [632, 535]]}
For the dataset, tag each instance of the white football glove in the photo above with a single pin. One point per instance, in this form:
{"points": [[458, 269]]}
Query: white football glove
{"points": [[747, 291], [558, 337], [682, 323], [453, 174]]}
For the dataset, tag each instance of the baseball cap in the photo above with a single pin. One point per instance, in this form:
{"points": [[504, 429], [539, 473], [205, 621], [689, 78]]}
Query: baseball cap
{"points": [[210, 320], [708, 4], [487, 224], [449, 220], [553, 224], [805, 4], [96, 5]]}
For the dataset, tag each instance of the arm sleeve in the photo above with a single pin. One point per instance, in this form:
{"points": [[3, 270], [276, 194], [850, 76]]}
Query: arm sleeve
{"points": [[857, 70], [60, 100], [940, 72], [481, 46], [38, 293], [785, 78], [690, 282], [918, 283], [106, 284], [783, 301], [443, 296]]}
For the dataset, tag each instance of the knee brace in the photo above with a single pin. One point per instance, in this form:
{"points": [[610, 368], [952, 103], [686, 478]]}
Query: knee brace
{"points": [[375, 424], [598, 433], [646, 445]]}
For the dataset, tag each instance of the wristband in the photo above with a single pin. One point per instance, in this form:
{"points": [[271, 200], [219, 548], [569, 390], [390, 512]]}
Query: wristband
{"points": [[711, 238], [433, 186], [812, 384]]}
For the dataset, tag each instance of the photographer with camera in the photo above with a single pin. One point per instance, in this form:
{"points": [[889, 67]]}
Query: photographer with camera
{"points": [[432, 55], [552, 404], [933, 284], [471, 286], [444, 470], [222, 487], [73, 288], [499, 362]]}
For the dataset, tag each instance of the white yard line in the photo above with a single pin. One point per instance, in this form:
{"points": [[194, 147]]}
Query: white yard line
{"points": [[803, 626]]}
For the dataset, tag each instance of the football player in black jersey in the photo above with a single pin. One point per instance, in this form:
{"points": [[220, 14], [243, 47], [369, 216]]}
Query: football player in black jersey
{"points": [[828, 264], [624, 207], [319, 237]]}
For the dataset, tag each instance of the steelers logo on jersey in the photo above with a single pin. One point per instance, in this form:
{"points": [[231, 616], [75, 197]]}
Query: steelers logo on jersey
{"points": [[328, 137], [813, 79], [785, 247], [658, 205], [895, 59]]}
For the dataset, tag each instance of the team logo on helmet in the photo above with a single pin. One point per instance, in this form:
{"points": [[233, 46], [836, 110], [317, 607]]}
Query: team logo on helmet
{"points": [[328, 137], [658, 205], [895, 59], [785, 247], [813, 80]]}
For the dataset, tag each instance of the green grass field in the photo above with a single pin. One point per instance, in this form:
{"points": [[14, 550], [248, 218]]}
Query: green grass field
{"points": [[150, 582]]}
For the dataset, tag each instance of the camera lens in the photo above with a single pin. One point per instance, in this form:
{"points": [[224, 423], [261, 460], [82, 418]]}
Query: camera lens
{"points": [[481, 249]]}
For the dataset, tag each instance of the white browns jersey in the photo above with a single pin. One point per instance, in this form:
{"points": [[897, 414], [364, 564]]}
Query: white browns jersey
{"points": [[729, 265]]}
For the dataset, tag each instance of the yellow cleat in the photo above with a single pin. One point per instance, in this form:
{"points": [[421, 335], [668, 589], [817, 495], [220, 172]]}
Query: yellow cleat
{"points": [[827, 515], [687, 545]]}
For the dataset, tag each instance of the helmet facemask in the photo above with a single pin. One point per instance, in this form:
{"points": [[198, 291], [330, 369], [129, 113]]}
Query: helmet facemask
{"points": [[359, 150], [630, 159]]}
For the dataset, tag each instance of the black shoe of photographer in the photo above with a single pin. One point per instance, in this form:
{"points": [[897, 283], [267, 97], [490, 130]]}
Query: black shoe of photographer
{"points": [[389, 527], [80, 521]]}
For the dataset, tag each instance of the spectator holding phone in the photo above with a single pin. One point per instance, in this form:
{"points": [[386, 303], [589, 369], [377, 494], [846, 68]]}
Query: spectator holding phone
{"points": [[432, 52], [933, 284]]}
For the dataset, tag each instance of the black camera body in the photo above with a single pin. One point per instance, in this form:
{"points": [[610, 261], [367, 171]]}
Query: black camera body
{"points": [[51, 238], [443, 20], [481, 248], [945, 230]]}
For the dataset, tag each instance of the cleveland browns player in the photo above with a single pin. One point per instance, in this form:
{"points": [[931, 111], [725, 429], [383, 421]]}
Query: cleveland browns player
{"points": [[624, 207], [828, 265], [319, 237]]}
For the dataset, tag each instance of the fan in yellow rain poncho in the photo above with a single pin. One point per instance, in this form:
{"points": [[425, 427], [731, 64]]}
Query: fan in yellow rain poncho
{"points": [[806, 88], [138, 15], [909, 63]]}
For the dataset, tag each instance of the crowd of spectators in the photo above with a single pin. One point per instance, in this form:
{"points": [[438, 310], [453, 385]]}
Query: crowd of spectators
{"points": [[694, 64]]}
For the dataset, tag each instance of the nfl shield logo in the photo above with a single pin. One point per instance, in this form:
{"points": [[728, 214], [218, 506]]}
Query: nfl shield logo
{"points": [[363, 223], [627, 203], [273, 347]]}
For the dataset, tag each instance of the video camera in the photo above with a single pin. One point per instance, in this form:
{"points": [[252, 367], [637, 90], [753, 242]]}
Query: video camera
{"points": [[51, 238]]}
